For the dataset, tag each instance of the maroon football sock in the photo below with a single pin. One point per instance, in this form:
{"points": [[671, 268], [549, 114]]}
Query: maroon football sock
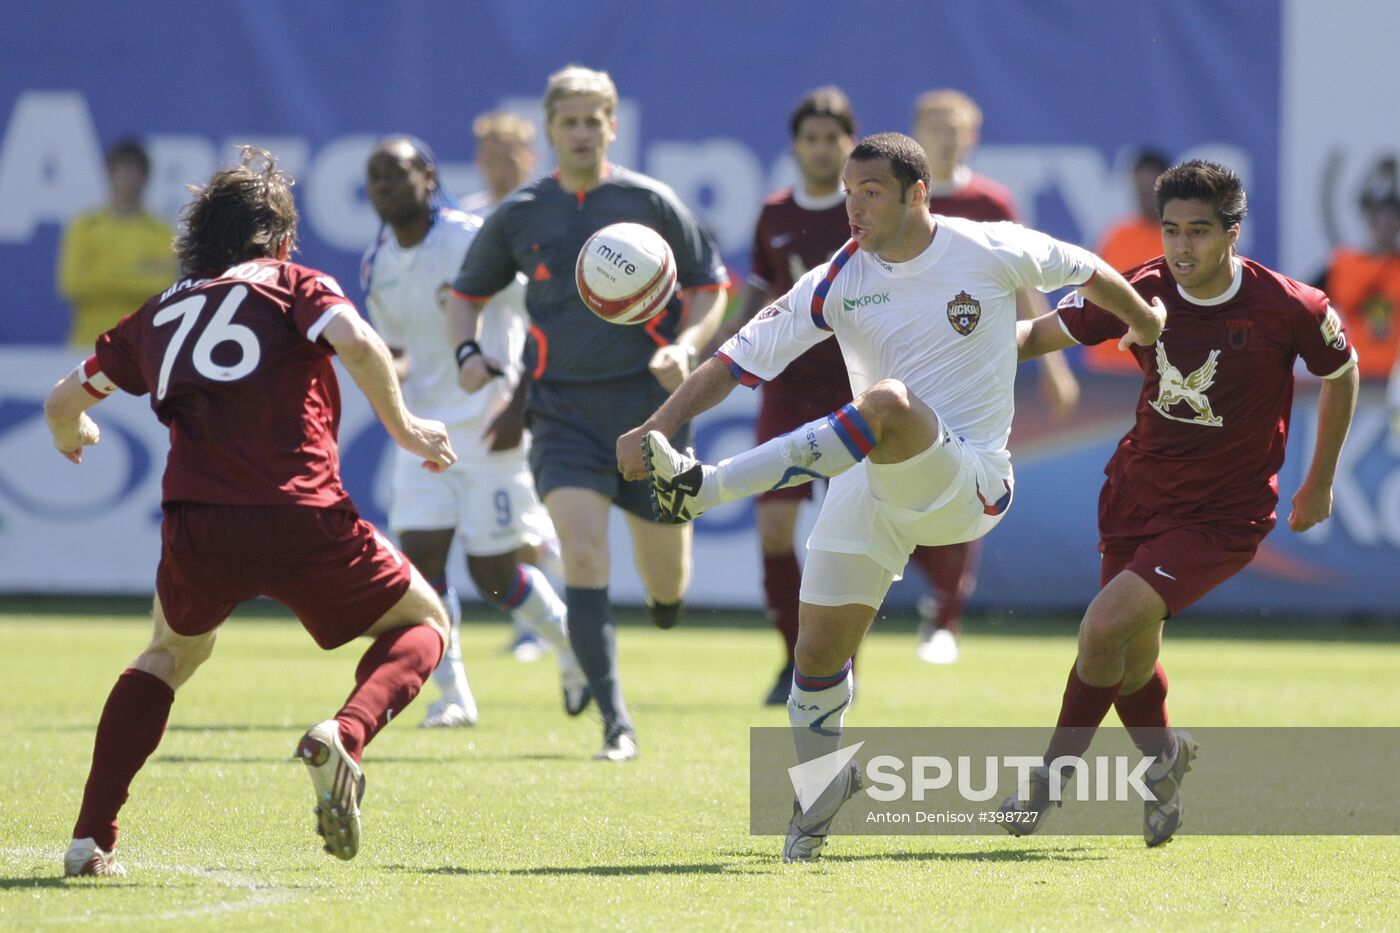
{"points": [[1144, 713], [390, 675], [1082, 709], [952, 572], [131, 727], [782, 579]]}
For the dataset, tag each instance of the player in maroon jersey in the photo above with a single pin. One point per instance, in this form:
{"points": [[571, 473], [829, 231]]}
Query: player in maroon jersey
{"points": [[947, 124], [236, 357], [799, 228], [1193, 486]]}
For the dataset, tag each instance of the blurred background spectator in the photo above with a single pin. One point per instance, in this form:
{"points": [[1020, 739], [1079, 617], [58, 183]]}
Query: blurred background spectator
{"points": [[1129, 242], [505, 157], [1364, 281], [115, 257]]}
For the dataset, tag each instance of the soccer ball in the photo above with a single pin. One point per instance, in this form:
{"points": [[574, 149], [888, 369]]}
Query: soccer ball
{"points": [[626, 273]]}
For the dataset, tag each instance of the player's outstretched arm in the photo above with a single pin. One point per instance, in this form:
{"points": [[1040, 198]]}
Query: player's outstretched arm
{"points": [[1040, 336], [702, 390], [367, 359], [1057, 381], [65, 409], [474, 368], [1336, 404], [704, 311], [506, 429], [1111, 291]]}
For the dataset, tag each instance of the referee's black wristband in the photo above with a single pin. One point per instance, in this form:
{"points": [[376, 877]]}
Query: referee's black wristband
{"points": [[466, 350]]}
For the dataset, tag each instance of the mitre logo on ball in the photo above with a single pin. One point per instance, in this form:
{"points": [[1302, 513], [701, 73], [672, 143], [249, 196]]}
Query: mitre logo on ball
{"points": [[626, 273]]}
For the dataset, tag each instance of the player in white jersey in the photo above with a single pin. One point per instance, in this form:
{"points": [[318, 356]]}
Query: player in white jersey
{"points": [[489, 503], [924, 310], [505, 158]]}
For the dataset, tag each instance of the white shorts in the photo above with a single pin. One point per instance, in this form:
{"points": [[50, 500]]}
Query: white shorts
{"points": [[489, 499], [882, 511]]}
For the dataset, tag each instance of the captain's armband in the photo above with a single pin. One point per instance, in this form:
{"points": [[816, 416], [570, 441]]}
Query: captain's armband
{"points": [[93, 380]]}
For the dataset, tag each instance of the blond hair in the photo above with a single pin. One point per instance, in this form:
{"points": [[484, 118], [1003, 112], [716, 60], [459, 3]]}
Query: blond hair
{"points": [[503, 125], [578, 81], [955, 102]]}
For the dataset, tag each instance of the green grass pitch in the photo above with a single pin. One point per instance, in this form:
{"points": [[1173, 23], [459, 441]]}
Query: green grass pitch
{"points": [[511, 826]]}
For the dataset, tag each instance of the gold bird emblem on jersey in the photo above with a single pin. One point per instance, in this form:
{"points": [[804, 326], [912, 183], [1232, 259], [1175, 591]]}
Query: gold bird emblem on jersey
{"points": [[1174, 389], [964, 312]]}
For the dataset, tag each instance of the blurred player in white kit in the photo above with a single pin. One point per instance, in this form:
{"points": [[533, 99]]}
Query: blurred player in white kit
{"points": [[489, 502]]}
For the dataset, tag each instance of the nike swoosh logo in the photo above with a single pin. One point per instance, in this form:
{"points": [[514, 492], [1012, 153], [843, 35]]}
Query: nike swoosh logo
{"points": [[1162, 573], [820, 721], [781, 240]]}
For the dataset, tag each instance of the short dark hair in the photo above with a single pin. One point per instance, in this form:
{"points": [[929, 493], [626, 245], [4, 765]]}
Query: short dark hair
{"points": [[244, 212], [1199, 180], [130, 150], [907, 158], [1381, 187], [1150, 159], [829, 101]]}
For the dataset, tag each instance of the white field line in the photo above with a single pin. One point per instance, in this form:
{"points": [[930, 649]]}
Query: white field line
{"points": [[259, 894]]}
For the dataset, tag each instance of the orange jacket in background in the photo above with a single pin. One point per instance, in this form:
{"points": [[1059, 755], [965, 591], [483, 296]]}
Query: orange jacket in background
{"points": [[1365, 290], [1128, 243]]}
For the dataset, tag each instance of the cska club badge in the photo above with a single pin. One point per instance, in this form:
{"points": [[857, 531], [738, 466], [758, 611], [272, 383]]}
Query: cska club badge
{"points": [[964, 312]]}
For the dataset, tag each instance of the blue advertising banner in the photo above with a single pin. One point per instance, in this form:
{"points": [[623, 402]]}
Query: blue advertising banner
{"points": [[1068, 91]]}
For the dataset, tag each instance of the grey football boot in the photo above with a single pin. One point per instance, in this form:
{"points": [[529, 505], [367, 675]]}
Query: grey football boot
{"points": [[1021, 817], [1161, 817], [806, 835]]}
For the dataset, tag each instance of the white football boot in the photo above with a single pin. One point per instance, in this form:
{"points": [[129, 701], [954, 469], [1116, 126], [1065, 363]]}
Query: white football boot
{"points": [[339, 784], [939, 646], [675, 480], [619, 744], [84, 858]]}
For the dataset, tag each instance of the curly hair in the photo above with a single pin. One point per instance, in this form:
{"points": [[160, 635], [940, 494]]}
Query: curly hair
{"points": [[244, 212]]}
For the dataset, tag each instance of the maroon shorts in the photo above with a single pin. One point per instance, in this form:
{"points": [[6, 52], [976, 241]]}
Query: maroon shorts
{"points": [[1182, 559], [335, 571], [781, 412]]}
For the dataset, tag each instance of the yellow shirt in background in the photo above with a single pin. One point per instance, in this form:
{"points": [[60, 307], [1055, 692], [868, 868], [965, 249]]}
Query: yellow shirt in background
{"points": [[108, 265]]}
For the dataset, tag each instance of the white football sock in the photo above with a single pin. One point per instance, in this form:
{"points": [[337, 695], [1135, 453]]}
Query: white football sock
{"points": [[817, 710], [822, 448], [534, 604], [551, 560], [450, 675]]}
